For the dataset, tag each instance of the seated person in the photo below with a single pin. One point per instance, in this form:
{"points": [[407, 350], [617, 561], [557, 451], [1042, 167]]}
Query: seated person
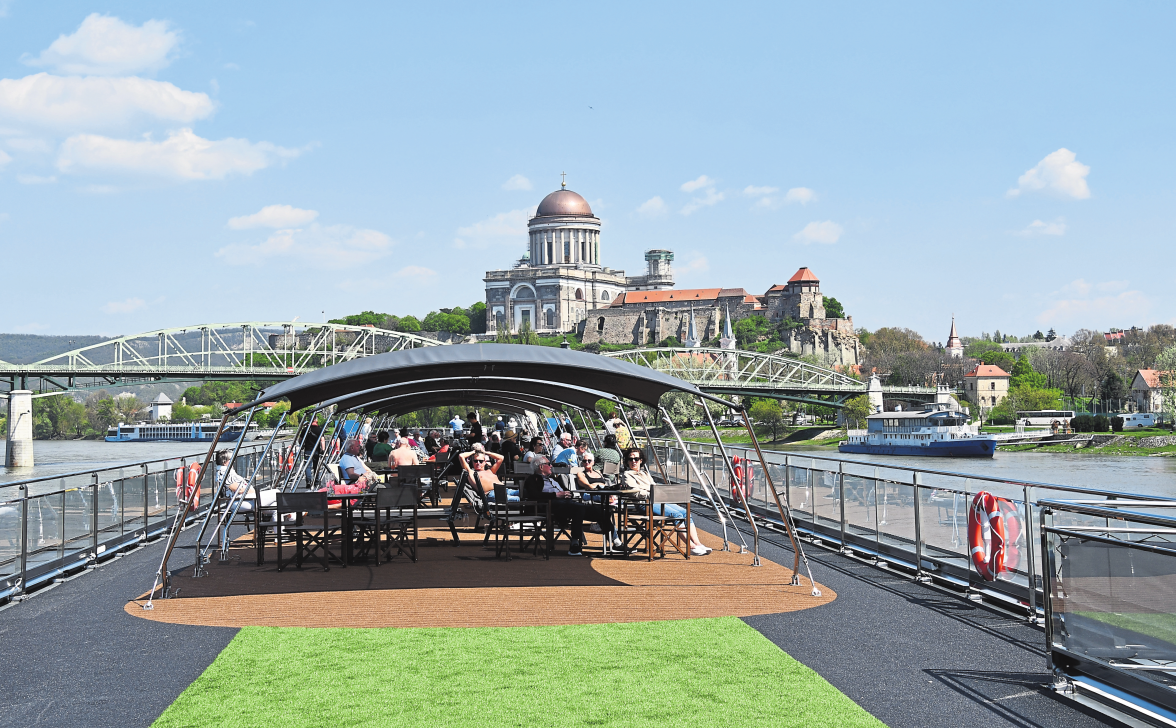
{"points": [[403, 455], [564, 443], [351, 468], [610, 453], [495, 443], [572, 455], [431, 444], [233, 484], [370, 445], [382, 449], [477, 465], [634, 478], [510, 447], [544, 486], [589, 478], [404, 435], [536, 450]]}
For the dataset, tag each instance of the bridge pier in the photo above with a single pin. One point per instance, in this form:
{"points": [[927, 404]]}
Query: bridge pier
{"points": [[18, 451], [874, 392]]}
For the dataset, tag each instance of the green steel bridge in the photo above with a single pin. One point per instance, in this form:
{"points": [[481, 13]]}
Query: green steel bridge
{"points": [[270, 350]]}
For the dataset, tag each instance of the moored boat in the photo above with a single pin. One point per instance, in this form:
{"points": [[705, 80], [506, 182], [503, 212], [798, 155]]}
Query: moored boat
{"points": [[939, 430], [171, 432]]}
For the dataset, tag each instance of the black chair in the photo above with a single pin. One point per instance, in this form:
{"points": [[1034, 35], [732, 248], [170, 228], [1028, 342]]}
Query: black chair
{"points": [[414, 475], [309, 539], [526, 517], [384, 527]]}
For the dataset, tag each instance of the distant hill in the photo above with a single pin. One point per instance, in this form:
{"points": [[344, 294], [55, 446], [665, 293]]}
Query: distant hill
{"points": [[28, 348]]}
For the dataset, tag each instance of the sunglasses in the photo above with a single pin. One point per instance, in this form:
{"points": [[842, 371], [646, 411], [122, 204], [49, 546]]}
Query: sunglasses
{"points": [[634, 460], [481, 462]]}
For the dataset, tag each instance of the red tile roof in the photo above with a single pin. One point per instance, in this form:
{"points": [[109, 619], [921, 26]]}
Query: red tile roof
{"points": [[987, 370], [804, 274], [1151, 377], [685, 294]]}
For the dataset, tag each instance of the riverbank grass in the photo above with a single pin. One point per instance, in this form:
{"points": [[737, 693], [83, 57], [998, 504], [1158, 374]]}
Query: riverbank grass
{"points": [[703, 672]]}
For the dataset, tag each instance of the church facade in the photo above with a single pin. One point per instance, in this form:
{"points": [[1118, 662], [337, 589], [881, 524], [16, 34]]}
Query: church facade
{"points": [[560, 285], [561, 277]]}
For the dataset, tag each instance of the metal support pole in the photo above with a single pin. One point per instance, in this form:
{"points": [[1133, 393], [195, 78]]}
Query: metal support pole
{"points": [[591, 431], [730, 467], [303, 456], [1032, 558], [652, 448], [162, 578], [94, 518], [235, 502], [919, 575], [24, 537], [214, 504], [146, 504], [841, 499]]}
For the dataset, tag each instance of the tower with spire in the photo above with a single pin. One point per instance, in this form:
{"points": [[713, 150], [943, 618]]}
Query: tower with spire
{"points": [[728, 340], [955, 347], [692, 341]]}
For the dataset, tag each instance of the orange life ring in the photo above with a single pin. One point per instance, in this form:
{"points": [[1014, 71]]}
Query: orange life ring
{"points": [[187, 484], [289, 464], [993, 533], [743, 476]]}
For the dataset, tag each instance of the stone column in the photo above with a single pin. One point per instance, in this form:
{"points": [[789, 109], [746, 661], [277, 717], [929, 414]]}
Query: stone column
{"points": [[874, 392], [19, 451]]}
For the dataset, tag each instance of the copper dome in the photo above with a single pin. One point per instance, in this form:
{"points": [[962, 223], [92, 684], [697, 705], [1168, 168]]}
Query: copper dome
{"points": [[564, 202]]}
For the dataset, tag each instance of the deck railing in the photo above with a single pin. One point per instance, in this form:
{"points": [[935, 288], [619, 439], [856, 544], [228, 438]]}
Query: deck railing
{"points": [[54, 526], [913, 518]]}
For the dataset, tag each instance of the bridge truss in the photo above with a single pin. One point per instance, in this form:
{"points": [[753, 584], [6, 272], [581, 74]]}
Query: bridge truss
{"points": [[261, 350], [750, 373]]}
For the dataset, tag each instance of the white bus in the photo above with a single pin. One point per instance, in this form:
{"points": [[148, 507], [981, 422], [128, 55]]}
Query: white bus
{"points": [[1045, 417]]}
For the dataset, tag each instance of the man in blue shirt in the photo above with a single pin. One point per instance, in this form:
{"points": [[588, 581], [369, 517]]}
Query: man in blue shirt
{"points": [[572, 456]]}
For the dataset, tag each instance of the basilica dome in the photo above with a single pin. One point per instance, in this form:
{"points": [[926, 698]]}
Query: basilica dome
{"points": [[564, 202]]}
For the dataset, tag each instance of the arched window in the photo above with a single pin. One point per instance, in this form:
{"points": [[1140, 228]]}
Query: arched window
{"points": [[600, 324], [604, 295], [579, 294], [551, 318], [524, 293]]}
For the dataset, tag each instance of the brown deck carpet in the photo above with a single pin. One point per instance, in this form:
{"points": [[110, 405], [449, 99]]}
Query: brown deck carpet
{"points": [[466, 586]]}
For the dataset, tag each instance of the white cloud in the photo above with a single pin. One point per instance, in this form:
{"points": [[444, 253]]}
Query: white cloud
{"points": [[30, 144], [698, 184], [827, 232], [182, 156], [273, 216], [653, 207], [1037, 227], [802, 195], [1060, 173], [694, 263], [33, 179], [1077, 308], [320, 246], [518, 182], [127, 306], [103, 45], [4, 158], [768, 199], [501, 227], [698, 203], [413, 272], [91, 103]]}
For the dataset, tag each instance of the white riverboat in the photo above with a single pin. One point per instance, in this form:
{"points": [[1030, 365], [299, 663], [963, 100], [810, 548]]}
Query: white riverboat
{"points": [[172, 432], [938, 430]]}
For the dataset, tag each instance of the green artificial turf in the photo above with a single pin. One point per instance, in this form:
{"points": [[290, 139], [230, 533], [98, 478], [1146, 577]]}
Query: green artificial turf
{"points": [[703, 672]]}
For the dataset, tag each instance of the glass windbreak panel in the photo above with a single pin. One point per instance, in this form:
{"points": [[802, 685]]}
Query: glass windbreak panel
{"points": [[802, 493], [827, 498], [776, 470], [1115, 603], [109, 509], [860, 506], [896, 515], [79, 519], [9, 537], [157, 483], [945, 525], [133, 491], [44, 534]]}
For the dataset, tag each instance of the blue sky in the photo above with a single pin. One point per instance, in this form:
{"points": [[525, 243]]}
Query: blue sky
{"points": [[163, 165]]}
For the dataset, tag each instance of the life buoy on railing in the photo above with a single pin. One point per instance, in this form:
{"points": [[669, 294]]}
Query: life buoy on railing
{"points": [[993, 532], [188, 484], [744, 477], [289, 464]]}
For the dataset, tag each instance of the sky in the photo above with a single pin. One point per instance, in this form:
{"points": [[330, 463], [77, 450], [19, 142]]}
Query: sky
{"points": [[166, 166]]}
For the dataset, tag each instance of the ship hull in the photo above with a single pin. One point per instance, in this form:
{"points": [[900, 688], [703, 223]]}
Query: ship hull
{"points": [[226, 437], [975, 448]]}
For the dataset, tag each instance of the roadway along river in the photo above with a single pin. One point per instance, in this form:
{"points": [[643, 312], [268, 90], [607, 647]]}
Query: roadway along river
{"points": [[1145, 475]]}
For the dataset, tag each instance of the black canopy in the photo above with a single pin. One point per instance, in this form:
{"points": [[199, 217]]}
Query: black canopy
{"points": [[506, 367]]}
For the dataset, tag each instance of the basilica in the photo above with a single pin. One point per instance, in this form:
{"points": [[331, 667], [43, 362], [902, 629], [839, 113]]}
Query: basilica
{"points": [[560, 286]]}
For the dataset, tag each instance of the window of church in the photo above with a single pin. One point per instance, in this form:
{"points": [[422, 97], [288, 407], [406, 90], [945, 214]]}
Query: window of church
{"points": [[600, 324], [579, 294], [551, 318], [567, 251], [604, 295]]}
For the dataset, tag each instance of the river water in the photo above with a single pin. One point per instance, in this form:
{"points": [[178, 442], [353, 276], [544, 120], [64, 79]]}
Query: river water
{"points": [[1143, 475]]}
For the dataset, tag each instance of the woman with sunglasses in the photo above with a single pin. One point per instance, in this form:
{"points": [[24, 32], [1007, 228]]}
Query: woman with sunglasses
{"points": [[634, 478], [481, 473]]}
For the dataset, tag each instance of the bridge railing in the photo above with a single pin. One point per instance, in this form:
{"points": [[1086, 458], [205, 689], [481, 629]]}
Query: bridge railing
{"points": [[912, 518], [54, 526]]}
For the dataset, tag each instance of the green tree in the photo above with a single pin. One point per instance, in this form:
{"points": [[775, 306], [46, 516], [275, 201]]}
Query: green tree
{"points": [[1023, 375], [768, 412], [752, 329], [998, 358], [1113, 389], [477, 315], [527, 335], [670, 341], [1166, 364], [367, 318], [409, 324], [978, 348], [63, 415], [857, 410], [833, 308]]}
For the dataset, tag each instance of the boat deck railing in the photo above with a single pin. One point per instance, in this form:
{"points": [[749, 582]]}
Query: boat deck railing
{"points": [[54, 526]]}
